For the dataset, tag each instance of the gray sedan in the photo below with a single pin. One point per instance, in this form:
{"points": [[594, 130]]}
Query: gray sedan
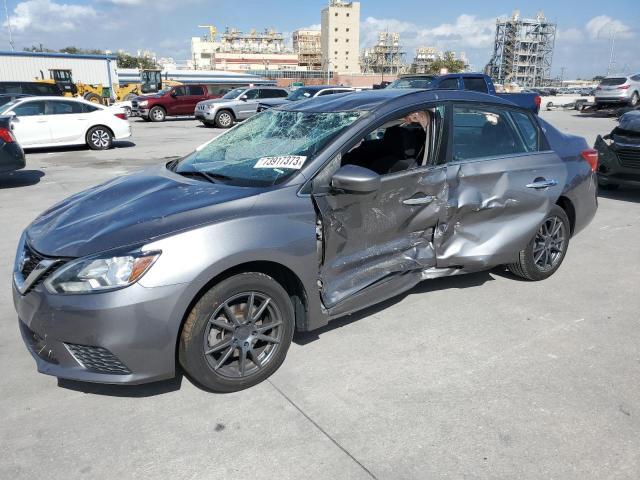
{"points": [[295, 217]]}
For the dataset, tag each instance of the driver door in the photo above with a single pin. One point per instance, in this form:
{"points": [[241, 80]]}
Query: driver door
{"points": [[376, 244], [248, 104]]}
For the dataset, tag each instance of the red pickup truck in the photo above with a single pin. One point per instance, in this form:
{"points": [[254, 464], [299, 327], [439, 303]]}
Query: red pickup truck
{"points": [[174, 101]]}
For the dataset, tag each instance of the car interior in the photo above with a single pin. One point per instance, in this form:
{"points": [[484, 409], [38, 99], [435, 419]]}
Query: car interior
{"points": [[401, 144]]}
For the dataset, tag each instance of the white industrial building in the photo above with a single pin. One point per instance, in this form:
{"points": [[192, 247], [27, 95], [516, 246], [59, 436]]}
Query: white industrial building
{"points": [[29, 66], [341, 36]]}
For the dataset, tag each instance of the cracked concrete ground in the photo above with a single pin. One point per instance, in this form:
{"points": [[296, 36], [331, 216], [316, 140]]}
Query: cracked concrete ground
{"points": [[476, 377]]}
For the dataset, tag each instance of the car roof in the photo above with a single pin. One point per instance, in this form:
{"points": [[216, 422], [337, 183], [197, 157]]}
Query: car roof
{"points": [[59, 98], [369, 100]]}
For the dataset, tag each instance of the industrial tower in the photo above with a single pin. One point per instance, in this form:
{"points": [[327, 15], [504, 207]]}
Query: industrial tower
{"points": [[523, 51]]}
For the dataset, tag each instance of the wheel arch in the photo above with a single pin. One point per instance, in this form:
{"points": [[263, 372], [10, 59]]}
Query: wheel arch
{"points": [[280, 273], [567, 205]]}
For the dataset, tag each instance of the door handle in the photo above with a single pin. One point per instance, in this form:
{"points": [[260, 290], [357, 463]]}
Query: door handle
{"points": [[540, 184], [419, 200]]}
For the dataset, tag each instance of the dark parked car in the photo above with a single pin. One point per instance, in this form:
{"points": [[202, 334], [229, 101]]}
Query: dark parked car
{"points": [[303, 93], [476, 82], [619, 153], [10, 97], [11, 153], [297, 216], [31, 88]]}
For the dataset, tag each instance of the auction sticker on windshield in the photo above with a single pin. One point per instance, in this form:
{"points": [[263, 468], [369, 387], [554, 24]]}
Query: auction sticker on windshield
{"points": [[293, 162]]}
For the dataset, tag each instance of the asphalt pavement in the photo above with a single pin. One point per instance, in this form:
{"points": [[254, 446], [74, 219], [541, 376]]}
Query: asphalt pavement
{"points": [[471, 377]]}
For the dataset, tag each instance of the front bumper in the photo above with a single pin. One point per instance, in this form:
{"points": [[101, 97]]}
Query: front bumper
{"points": [[618, 165], [140, 112], [127, 336], [208, 115], [11, 157]]}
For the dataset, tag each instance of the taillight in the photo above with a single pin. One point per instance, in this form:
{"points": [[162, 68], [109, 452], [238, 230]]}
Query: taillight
{"points": [[537, 100], [591, 156], [624, 87], [6, 135], [121, 116]]}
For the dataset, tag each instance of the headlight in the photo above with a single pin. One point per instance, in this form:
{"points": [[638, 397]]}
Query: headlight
{"points": [[143, 103], [99, 274]]}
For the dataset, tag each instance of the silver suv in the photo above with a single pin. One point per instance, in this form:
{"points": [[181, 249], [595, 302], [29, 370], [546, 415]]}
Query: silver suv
{"points": [[619, 89], [238, 104]]}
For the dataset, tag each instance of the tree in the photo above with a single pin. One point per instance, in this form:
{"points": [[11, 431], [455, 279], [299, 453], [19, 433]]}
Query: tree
{"points": [[129, 61], [447, 61]]}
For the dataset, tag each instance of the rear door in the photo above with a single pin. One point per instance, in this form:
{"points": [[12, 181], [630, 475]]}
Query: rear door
{"points": [[502, 179], [195, 94], [369, 240], [31, 124], [67, 120]]}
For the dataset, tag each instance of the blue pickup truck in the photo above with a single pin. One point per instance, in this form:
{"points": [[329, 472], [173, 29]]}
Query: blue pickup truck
{"points": [[477, 82]]}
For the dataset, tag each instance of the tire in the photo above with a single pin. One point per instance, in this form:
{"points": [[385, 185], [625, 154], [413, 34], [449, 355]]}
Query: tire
{"points": [[93, 98], [99, 138], [157, 114], [533, 267], [218, 334], [224, 119], [634, 100], [127, 112]]}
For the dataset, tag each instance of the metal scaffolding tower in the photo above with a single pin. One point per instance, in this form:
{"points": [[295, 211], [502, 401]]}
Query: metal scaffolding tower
{"points": [[523, 51], [385, 57]]}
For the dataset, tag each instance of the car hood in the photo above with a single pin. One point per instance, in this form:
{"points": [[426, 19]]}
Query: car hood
{"points": [[134, 209], [216, 100]]}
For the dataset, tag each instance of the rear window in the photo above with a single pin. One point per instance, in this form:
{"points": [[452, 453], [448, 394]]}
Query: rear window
{"points": [[613, 81], [475, 84]]}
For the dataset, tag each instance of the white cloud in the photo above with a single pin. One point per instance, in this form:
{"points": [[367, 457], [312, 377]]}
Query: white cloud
{"points": [[468, 32], [315, 26], [49, 16], [570, 35], [603, 26]]}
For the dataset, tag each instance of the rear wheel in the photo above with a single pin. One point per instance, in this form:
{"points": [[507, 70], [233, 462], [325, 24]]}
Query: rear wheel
{"points": [[634, 99], [224, 119], [157, 114], [545, 252], [99, 138], [238, 333]]}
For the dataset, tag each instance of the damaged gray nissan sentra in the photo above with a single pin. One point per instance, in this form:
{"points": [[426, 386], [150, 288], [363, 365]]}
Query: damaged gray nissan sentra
{"points": [[297, 216]]}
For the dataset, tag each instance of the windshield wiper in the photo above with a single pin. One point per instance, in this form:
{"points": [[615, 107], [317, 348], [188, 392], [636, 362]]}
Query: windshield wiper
{"points": [[211, 177]]}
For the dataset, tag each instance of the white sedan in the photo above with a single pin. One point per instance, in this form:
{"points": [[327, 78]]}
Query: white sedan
{"points": [[59, 121]]}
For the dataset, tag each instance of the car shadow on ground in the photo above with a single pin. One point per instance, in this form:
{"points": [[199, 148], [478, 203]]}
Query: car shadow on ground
{"points": [[79, 148], [130, 391], [445, 283], [166, 120], [20, 178], [623, 194]]}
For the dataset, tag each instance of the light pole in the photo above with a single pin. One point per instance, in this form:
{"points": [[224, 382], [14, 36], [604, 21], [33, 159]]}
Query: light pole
{"points": [[328, 71], [6, 12]]}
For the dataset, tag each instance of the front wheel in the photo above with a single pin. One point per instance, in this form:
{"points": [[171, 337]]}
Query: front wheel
{"points": [[545, 252], [224, 119], [99, 138], [634, 99], [157, 114], [238, 333]]}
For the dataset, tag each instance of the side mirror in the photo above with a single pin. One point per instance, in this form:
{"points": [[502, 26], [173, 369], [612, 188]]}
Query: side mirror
{"points": [[11, 113], [173, 94], [354, 179], [244, 98]]}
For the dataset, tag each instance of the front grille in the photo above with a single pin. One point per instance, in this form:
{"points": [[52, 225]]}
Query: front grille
{"points": [[629, 157], [31, 261], [98, 359], [134, 104]]}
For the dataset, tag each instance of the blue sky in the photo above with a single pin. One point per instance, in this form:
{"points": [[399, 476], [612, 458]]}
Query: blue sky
{"points": [[166, 26]]}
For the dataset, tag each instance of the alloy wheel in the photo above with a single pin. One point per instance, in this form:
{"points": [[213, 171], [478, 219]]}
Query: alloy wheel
{"points": [[100, 138], [243, 335], [224, 119], [158, 114], [549, 244]]}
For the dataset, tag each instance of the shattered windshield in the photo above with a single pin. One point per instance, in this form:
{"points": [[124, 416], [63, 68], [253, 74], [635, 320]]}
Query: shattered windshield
{"points": [[266, 149]]}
